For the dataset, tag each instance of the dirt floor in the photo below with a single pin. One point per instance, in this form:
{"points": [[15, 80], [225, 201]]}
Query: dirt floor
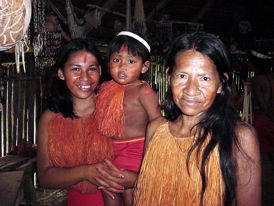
{"points": [[51, 197], [47, 197]]}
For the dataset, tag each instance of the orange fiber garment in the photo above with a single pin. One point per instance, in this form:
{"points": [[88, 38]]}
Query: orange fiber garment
{"points": [[109, 111], [164, 178], [73, 142]]}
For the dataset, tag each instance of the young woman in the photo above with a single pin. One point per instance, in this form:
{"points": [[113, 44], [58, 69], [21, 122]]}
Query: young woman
{"points": [[70, 149]]}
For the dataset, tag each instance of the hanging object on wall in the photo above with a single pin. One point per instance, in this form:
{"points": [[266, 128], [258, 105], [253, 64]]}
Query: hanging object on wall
{"points": [[20, 48], [47, 39], [15, 18], [244, 27], [163, 35], [140, 19], [158, 78], [247, 105], [39, 38], [259, 55], [53, 38], [37, 45], [2, 88], [79, 27], [163, 32]]}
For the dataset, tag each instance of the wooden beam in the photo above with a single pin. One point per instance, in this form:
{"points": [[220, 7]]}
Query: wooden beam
{"points": [[159, 6], [106, 10], [129, 17], [203, 10]]}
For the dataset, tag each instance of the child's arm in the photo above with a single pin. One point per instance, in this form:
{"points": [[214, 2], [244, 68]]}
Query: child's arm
{"points": [[150, 102]]}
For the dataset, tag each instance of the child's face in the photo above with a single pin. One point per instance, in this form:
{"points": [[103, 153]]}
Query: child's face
{"points": [[194, 83], [126, 68], [81, 73]]}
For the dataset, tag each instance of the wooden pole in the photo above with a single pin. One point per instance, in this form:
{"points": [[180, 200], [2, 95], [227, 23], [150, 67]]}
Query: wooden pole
{"points": [[106, 10], [128, 19]]}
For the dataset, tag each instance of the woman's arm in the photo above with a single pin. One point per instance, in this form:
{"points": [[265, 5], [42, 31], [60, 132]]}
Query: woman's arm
{"points": [[248, 167], [57, 177]]}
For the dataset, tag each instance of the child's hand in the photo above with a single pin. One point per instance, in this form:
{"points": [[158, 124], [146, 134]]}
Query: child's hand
{"points": [[109, 178], [115, 171], [106, 191]]}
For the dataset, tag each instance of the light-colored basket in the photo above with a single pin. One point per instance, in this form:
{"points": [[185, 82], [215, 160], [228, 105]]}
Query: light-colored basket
{"points": [[15, 18]]}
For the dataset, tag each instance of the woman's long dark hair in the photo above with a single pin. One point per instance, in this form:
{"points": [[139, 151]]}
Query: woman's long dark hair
{"points": [[220, 119], [59, 98]]}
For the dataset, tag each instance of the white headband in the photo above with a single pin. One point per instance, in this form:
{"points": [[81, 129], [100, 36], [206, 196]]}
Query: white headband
{"points": [[135, 36]]}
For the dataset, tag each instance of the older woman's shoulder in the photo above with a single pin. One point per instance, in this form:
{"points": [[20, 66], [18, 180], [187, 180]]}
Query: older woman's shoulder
{"points": [[245, 129], [152, 127], [158, 121], [246, 135]]}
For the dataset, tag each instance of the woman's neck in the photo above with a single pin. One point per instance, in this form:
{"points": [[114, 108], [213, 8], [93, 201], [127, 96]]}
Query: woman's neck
{"points": [[83, 108], [184, 126]]}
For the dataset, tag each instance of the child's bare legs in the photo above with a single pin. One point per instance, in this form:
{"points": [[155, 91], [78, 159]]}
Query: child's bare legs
{"points": [[108, 201], [126, 197]]}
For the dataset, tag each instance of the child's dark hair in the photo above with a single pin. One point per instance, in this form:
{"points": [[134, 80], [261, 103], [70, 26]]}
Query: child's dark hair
{"points": [[134, 47]]}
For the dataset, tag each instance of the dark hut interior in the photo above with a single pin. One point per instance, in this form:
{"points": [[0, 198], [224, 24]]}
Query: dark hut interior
{"points": [[243, 25]]}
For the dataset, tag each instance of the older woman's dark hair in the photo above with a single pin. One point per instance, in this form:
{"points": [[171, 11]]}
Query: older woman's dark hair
{"points": [[220, 119], [60, 98]]}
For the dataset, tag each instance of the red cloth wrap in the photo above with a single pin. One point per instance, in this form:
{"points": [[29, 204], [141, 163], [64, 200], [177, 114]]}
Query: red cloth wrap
{"points": [[75, 198], [129, 153]]}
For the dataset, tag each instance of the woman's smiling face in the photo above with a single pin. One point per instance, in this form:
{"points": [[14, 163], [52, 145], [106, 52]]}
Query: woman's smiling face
{"points": [[81, 73], [194, 82]]}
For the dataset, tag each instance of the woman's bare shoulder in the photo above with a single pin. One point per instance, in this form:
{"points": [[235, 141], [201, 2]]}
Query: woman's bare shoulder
{"points": [[245, 132], [152, 127], [158, 121], [46, 116], [247, 138], [154, 124]]}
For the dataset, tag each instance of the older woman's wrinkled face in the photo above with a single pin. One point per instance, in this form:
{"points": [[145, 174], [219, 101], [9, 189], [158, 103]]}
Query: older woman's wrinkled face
{"points": [[194, 82]]}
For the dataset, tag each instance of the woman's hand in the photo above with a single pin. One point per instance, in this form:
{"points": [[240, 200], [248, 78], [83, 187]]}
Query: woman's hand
{"points": [[113, 179]]}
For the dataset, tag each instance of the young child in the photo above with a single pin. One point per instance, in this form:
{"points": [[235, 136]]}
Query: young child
{"points": [[126, 104]]}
